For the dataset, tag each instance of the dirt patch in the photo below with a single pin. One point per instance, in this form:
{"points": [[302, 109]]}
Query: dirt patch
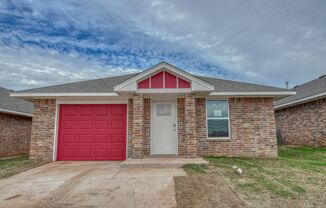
{"points": [[205, 190], [295, 179]]}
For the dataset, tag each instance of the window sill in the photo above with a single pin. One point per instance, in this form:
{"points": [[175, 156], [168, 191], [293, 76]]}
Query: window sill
{"points": [[218, 139]]}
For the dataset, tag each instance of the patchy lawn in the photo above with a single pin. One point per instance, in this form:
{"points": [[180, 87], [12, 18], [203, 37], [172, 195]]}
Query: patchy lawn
{"points": [[13, 165], [297, 178]]}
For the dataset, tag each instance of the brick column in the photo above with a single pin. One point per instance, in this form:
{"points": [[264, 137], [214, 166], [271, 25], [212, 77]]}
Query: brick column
{"points": [[137, 126], [190, 124], [41, 147]]}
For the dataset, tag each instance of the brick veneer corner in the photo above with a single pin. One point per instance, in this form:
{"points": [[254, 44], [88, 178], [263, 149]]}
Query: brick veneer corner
{"points": [[43, 130], [147, 126], [137, 126], [15, 134], [181, 127], [303, 124], [190, 125]]}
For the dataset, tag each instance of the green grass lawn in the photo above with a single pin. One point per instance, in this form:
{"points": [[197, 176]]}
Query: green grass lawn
{"points": [[13, 165], [297, 178]]}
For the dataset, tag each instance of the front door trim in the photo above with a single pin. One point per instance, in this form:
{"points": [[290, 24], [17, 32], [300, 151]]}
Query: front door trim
{"points": [[152, 126]]}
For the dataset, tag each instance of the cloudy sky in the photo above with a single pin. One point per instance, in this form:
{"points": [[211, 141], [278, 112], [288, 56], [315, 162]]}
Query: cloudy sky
{"points": [[267, 42]]}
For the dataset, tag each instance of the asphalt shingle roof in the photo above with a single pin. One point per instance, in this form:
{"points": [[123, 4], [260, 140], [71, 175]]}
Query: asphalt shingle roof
{"points": [[305, 90], [14, 104], [107, 85]]}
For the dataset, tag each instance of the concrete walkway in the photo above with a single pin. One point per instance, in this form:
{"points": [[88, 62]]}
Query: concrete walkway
{"points": [[162, 162], [90, 184]]}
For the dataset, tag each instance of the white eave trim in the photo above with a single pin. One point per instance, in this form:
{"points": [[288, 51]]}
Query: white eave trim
{"points": [[253, 93], [2, 110], [64, 94], [299, 101]]}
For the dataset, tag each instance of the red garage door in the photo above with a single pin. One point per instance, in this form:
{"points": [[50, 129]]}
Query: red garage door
{"points": [[92, 132]]}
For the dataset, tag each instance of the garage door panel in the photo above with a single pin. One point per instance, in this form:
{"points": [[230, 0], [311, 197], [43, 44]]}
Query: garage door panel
{"points": [[84, 139], [100, 152], [68, 152], [101, 110], [68, 138], [70, 124], [92, 132], [101, 138], [85, 110], [117, 124], [84, 152], [117, 138], [102, 124], [85, 124], [117, 154]]}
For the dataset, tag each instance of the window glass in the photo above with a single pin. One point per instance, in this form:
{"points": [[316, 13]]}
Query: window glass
{"points": [[217, 109], [163, 109], [217, 118], [218, 128]]}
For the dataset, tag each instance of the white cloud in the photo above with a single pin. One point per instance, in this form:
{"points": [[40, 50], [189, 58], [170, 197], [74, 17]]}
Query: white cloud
{"points": [[21, 69], [258, 41]]}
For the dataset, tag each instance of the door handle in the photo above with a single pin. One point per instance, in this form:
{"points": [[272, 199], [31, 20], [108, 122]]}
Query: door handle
{"points": [[174, 127]]}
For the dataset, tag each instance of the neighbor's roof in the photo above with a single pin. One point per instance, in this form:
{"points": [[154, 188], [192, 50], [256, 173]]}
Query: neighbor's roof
{"points": [[14, 105], [107, 85], [314, 89]]}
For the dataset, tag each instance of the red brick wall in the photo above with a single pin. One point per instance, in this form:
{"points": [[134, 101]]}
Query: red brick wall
{"points": [[147, 126], [253, 132], [181, 127], [145, 111], [130, 122], [303, 124], [15, 134], [137, 126], [43, 130], [190, 125]]}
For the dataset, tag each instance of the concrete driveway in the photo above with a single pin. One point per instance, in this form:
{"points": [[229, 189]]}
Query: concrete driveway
{"points": [[90, 184]]}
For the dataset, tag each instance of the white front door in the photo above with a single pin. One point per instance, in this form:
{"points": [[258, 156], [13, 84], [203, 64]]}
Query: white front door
{"points": [[164, 128]]}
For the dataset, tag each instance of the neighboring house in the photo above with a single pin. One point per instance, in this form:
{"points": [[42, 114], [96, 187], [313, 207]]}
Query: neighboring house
{"points": [[301, 118], [15, 124], [160, 111]]}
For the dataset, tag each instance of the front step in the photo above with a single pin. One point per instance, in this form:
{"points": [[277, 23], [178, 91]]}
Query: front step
{"points": [[161, 162]]}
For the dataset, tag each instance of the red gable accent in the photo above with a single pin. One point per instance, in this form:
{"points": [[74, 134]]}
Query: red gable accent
{"points": [[183, 83], [168, 79], [144, 84], [157, 80]]}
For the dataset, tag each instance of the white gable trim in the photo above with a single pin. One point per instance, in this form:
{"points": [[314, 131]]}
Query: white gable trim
{"points": [[130, 85]]}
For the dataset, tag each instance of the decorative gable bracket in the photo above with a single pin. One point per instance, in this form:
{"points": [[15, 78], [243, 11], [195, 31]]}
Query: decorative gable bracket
{"points": [[163, 78]]}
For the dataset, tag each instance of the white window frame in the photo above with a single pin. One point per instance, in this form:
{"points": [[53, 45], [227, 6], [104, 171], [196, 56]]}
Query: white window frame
{"points": [[221, 118]]}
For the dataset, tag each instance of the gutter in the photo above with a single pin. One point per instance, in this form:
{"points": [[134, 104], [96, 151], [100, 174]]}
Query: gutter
{"points": [[299, 101], [2, 110]]}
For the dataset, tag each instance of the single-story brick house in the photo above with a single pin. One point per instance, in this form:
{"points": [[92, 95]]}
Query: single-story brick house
{"points": [[15, 124], [160, 111], [301, 118]]}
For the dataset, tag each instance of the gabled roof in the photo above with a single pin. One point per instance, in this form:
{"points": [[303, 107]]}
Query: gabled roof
{"points": [[306, 92], [14, 105], [197, 85], [107, 86]]}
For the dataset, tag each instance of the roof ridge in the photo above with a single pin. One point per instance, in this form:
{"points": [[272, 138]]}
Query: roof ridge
{"points": [[243, 82], [78, 82], [311, 81]]}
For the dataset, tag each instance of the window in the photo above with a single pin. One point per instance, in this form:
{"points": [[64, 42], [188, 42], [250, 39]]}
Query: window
{"points": [[217, 118], [163, 110]]}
